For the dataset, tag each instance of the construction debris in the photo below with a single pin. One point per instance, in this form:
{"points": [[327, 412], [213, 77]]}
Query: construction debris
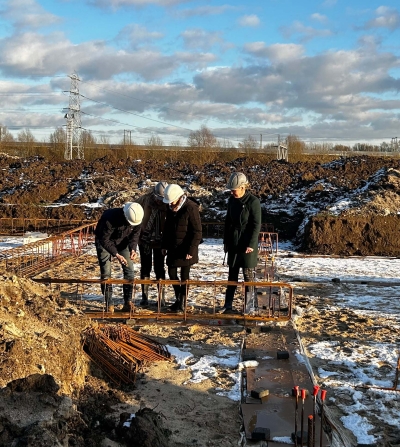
{"points": [[120, 351]]}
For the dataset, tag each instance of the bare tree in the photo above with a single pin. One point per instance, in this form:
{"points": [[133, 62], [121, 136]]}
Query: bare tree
{"points": [[202, 138], [26, 136], [104, 140], [249, 144], [154, 142], [295, 146], [5, 135], [87, 139], [58, 138]]}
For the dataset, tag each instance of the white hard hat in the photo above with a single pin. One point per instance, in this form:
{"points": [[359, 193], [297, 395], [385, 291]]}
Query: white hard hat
{"points": [[133, 213], [236, 180], [159, 189], [172, 193]]}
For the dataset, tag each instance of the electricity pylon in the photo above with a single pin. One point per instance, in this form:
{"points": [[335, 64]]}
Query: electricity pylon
{"points": [[73, 147]]}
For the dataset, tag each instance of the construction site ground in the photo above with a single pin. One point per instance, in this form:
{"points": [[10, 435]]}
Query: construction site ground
{"points": [[227, 422], [41, 328], [41, 334]]}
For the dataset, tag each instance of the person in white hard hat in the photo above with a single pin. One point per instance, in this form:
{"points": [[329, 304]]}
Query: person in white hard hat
{"points": [[155, 212], [241, 232], [117, 235], [181, 239]]}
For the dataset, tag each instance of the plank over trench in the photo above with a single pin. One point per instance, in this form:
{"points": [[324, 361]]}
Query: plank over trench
{"points": [[276, 411]]}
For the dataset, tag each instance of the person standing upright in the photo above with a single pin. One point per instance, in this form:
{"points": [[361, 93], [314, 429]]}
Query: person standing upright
{"points": [[117, 234], [241, 232], [181, 238], [155, 212]]}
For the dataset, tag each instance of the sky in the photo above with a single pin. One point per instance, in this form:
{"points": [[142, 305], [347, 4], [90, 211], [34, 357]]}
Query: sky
{"points": [[324, 71], [344, 370]]}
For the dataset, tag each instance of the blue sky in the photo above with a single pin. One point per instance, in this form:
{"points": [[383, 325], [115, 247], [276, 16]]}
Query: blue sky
{"points": [[320, 70]]}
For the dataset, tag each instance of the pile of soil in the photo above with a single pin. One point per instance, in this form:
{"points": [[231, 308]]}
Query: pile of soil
{"points": [[51, 394]]}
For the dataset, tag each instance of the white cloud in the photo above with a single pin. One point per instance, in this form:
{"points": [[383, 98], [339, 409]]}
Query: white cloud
{"points": [[276, 52], [249, 20], [136, 34], [31, 54], [385, 18], [319, 17], [198, 38], [369, 41], [305, 33], [336, 85], [115, 4], [28, 14], [204, 11]]}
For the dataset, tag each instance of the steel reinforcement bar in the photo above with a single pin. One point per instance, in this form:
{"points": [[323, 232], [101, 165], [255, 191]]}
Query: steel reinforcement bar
{"points": [[272, 301], [35, 257]]}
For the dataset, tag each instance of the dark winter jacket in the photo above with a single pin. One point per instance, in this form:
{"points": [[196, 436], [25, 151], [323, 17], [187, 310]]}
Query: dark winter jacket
{"points": [[182, 235], [114, 233], [150, 204], [242, 228]]}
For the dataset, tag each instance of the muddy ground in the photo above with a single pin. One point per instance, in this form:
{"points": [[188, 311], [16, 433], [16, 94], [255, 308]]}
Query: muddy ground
{"points": [[51, 394], [349, 206]]}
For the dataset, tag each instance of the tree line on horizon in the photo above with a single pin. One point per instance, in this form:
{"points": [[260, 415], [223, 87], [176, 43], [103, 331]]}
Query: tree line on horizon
{"points": [[203, 139]]}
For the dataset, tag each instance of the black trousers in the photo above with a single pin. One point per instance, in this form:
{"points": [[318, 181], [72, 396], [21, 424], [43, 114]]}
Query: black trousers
{"points": [[180, 291], [148, 256], [233, 275]]}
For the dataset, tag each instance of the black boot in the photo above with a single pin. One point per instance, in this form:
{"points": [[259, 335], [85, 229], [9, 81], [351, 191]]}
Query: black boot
{"points": [[128, 292], [162, 301], [107, 290], [229, 294], [145, 294], [178, 305]]}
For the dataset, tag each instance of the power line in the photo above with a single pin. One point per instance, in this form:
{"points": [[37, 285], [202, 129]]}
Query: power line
{"points": [[30, 94], [137, 99], [135, 114]]}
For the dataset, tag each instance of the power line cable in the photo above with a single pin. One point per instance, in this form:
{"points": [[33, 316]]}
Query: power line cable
{"points": [[137, 99], [136, 114]]}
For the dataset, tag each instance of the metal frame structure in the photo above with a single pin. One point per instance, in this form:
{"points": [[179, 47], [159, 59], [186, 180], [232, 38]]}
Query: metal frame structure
{"points": [[274, 299], [268, 249], [35, 257]]}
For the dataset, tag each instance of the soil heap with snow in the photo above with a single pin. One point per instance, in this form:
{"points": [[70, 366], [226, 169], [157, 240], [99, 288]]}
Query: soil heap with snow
{"points": [[349, 206]]}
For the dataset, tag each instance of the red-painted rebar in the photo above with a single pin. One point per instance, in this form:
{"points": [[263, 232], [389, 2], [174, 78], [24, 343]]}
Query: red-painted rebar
{"points": [[35, 257]]}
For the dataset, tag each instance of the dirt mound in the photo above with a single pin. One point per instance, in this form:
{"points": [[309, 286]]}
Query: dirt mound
{"points": [[353, 235], [295, 197], [34, 323], [49, 395]]}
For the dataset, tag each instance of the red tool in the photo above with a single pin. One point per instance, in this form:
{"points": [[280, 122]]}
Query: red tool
{"points": [[303, 397], [323, 396], [315, 393]]}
